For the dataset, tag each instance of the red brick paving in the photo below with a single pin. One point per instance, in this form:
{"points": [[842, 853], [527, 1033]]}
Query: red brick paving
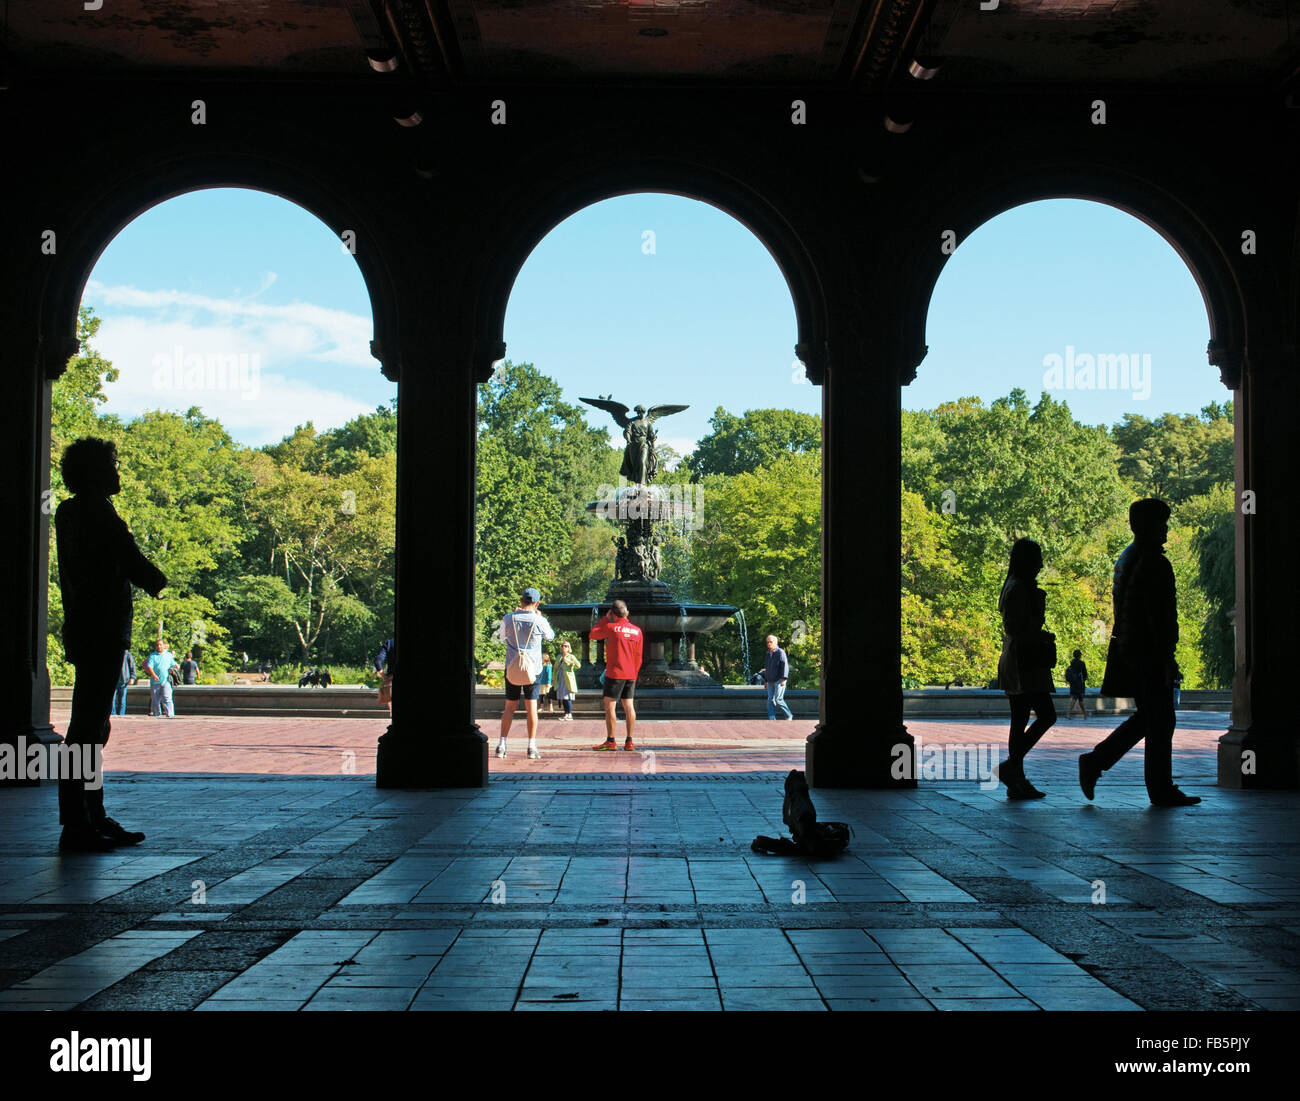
{"points": [[316, 746]]}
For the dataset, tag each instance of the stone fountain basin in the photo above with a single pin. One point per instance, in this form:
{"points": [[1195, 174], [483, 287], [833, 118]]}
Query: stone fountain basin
{"points": [[701, 619]]}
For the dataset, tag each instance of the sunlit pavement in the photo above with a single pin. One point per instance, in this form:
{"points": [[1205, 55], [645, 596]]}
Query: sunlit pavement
{"points": [[280, 746], [565, 885]]}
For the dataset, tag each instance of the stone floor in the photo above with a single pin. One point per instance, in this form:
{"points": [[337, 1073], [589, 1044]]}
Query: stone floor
{"points": [[559, 890]]}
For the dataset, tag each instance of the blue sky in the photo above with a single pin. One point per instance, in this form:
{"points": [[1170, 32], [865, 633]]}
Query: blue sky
{"points": [[705, 318]]}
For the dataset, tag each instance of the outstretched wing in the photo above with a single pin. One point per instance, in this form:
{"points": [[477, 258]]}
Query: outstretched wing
{"points": [[615, 409], [656, 411]]}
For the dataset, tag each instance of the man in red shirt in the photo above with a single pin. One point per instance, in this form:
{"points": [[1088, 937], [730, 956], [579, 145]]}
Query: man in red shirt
{"points": [[622, 640]]}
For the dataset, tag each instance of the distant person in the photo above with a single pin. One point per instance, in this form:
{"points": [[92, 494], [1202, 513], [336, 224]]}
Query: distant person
{"points": [[523, 631], [1076, 676], [623, 644], [1140, 662], [776, 672], [124, 680], [386, 666], [159, 667], [566, 680], [545, 677], [189, 669], [1178, 690], [1025, 666], [98, 563]]}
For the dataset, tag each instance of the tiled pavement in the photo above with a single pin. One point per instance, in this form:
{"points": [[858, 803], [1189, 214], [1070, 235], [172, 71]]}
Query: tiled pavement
{"points": [[264, 891]]}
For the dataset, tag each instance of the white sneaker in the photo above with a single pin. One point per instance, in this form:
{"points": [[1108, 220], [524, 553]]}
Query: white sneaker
{"points": [[568, 718], [533, 753], [501, 749]]}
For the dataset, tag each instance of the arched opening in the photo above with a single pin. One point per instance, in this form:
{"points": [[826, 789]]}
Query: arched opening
{"points": [[226, 351], [666, 302], [1066, 377]]}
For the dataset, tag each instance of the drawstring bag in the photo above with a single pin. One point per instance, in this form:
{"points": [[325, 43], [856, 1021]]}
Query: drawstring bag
{"points": [[811, 838], [523, 667]]}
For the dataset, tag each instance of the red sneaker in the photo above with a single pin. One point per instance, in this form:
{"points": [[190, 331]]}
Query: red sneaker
{"points": [[628, 747], [608, 743]]}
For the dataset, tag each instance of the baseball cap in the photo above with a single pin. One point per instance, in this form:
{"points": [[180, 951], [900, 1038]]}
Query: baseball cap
{"points": [[532, 596]]}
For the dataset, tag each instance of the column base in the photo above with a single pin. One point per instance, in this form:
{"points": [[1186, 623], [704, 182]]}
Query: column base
{"points": [[1250, 760], [857, 760], [427, 760]]}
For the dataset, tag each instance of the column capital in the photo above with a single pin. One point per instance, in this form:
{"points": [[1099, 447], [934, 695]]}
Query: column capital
{"points": [[486, 354], [389, 364], [55, 351], [1229, 362], [813, 356]]}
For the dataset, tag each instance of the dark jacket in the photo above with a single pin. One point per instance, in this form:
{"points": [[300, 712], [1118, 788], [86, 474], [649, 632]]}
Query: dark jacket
{"points": [[1024, 610], [1146, 620], [98, 563], [776, 667], [128, 668]]}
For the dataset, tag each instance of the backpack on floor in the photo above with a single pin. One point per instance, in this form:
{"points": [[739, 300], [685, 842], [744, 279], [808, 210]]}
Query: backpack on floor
{"points": [[811, 838]]}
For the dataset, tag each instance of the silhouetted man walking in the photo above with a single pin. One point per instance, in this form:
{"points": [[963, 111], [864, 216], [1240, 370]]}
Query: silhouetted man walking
{"points": [[98, 563], [1141, 662]]}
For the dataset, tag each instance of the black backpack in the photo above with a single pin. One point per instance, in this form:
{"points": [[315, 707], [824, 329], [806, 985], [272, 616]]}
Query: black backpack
{"points": [[811, 838]]}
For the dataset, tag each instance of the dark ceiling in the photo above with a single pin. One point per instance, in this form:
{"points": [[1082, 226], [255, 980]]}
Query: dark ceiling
{"points": [[859, 44]]}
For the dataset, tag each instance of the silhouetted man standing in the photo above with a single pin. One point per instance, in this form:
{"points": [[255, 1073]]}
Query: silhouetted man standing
{"points": [[98, 563], [1141, 659]]}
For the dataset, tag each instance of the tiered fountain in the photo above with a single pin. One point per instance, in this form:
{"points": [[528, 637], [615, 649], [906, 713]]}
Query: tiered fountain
{"points": [[641, 510]]}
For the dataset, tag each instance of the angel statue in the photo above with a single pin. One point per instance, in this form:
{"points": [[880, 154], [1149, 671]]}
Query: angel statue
{"points": [[639, 462]]}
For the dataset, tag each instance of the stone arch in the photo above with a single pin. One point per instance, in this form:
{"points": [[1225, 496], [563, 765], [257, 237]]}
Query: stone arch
{"points": [[89, 227], [507, 250], [1175, 221]]}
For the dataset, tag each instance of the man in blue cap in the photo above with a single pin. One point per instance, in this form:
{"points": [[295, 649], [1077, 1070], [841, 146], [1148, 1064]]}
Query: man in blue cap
{"points": [[523, 631]]}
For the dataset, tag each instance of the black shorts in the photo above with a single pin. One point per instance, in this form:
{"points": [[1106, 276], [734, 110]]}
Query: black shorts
{"points": [[525, 691], [620, 689]]}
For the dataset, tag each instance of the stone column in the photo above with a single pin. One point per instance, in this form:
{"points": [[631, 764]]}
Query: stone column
{"points": [[28, 364], [860, 740], [1262, 747], [435, 743]]}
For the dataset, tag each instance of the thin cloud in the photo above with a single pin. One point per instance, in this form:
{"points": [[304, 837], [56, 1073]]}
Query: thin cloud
{"points": [[314, 333]]}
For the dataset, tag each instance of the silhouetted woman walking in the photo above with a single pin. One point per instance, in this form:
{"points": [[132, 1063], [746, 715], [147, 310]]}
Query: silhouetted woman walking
{"points": [[1025, 667]]}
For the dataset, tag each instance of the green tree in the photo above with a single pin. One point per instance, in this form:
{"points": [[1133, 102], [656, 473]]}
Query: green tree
{"points": [[759, 547], [740, 445], [1176, 457], [522, 538]]}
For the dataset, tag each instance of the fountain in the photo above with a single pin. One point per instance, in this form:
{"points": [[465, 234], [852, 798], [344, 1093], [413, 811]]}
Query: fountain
{"points": [[639, 509], [744, 643]]}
